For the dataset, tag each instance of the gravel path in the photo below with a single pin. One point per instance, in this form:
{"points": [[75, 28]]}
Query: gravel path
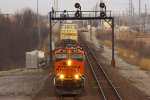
{"points": [[20, 84]]}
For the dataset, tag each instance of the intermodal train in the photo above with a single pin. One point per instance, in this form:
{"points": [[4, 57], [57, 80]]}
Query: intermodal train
{"points": [[69, 63]]}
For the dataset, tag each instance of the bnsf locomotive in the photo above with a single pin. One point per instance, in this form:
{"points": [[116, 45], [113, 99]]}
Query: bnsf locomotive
{"points": [[69, 68]]}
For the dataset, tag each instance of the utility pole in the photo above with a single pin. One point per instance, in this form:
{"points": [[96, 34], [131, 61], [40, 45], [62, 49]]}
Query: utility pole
{"points": [[93, 15], [140, 16], [123, 19], [119, 19], [127, 17], [146, 18], [133, 16], [130, 13], [90, 31], [56, 6], [91, 26], [50, 36], [96, 9], [38, 26]]}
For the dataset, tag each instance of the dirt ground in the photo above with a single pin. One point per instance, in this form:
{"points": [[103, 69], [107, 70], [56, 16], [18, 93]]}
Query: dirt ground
{"points": [[21, 84], [136, 76]]}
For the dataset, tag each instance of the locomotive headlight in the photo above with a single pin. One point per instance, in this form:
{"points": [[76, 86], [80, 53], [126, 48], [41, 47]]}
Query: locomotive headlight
{"points": [[61, 76], [76, 76], [69, 62]]}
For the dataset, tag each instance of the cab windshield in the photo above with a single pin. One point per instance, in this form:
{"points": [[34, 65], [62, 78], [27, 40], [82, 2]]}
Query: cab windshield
{"points": [[78, 57], [61, 56]]}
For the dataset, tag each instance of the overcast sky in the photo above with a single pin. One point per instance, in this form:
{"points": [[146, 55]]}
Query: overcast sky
{"points": [[12, 6]]}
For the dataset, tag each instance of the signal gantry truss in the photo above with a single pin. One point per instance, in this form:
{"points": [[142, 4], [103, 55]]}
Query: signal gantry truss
{"points": [[56, 16]]}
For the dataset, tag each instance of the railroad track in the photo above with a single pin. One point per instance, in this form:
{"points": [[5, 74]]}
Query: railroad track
{"points": [[63, 97], [106, 87]]}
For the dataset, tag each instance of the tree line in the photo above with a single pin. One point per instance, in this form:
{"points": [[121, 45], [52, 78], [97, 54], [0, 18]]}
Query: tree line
{"points": [[18, 35]]}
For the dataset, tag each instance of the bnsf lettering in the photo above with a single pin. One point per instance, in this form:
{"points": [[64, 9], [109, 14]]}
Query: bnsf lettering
{"points": [[67, 67]]}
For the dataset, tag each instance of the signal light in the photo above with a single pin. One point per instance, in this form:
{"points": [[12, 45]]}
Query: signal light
{"points": [[102, 5], [77, 5], [77, 14], [102, 14]]}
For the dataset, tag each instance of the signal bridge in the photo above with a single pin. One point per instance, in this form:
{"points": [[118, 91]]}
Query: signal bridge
{"points": [[56, 16]]}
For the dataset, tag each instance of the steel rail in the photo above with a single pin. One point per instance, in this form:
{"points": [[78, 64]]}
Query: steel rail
{"points": [[97, 81], [100, 66]]}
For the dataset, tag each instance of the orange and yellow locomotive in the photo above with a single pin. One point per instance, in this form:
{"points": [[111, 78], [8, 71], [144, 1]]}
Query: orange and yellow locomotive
{"points": [[69, 68]]}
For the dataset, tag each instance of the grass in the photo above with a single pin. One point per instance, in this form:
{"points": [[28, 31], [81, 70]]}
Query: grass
{"points": [[133, 57], [108, 43], [129, 56], [145, 64]]}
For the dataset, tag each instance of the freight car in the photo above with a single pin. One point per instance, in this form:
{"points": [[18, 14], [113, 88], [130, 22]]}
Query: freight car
{"points": [[69, 31]]}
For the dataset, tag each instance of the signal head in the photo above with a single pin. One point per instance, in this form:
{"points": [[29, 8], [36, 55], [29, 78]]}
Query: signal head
{"points": [[77, 14], [102, 14], [77, 5], [102, 5]]}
